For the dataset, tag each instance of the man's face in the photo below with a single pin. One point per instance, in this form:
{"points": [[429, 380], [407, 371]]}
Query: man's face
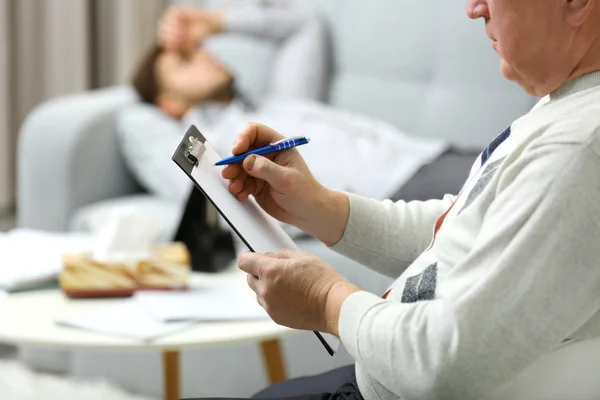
{"points": [[194, 77], [531, 37]]}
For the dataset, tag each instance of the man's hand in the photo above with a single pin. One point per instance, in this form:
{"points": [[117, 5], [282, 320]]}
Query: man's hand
{"points": [[284, 187], [298, 290], [180, 28]]}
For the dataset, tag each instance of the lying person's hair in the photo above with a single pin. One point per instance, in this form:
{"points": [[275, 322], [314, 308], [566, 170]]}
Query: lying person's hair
{"points": [[145, 77]]}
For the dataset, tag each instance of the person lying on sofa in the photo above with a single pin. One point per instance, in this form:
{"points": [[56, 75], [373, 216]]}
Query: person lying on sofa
{"points": [[490, 282], [190, 86]]}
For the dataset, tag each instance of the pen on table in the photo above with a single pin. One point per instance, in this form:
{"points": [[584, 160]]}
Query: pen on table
{"points": [[279, 145]]}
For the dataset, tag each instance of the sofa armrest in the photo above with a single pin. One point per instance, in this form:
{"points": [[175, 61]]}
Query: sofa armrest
{"points": [[68, 156]]}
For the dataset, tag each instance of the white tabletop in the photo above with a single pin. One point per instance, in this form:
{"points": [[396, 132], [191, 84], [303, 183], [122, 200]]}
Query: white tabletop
{"points": [[30, 318]]}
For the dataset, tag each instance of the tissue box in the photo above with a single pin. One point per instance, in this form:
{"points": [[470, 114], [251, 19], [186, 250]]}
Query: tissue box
{"points": [[167, 268]]}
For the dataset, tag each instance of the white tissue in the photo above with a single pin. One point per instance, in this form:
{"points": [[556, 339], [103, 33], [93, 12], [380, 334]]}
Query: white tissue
{"points": [[124, 236]]}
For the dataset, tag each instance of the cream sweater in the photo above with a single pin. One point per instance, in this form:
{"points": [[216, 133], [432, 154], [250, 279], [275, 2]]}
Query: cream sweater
{"points": [[510, 274]]}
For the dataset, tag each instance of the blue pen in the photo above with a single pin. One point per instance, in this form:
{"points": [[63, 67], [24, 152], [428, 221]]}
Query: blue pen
{"points": [[280, 145]]}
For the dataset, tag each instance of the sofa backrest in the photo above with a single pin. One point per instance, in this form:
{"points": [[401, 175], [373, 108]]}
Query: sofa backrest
{"points": [[421, 65]]}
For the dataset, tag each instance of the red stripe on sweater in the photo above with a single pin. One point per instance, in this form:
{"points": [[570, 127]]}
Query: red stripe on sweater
{"points": [[438, 225]]}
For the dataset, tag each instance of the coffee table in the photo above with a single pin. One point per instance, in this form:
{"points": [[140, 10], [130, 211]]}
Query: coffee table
{"points": [[29, 318]]}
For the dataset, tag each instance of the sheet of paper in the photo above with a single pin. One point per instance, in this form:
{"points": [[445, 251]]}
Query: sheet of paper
{"points": [[224, 303], [256, 228], [125, 319], [28, 257]]}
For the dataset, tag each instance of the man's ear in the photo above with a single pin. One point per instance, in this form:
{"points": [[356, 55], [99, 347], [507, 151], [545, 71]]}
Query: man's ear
{"points": [[172, 106], [577, 11]]}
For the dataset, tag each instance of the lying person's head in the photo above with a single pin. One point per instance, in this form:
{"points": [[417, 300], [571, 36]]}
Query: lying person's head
{"points": [[542, 43], [176, 82]]}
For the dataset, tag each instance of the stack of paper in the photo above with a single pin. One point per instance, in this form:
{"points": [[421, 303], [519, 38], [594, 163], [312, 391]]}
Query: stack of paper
{"points": [[231, 302], [152, 314], [127, 319], [29, 257]]}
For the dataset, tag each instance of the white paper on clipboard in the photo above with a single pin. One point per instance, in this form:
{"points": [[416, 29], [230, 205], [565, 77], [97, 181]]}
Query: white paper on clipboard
{"points": [[258, 230]]}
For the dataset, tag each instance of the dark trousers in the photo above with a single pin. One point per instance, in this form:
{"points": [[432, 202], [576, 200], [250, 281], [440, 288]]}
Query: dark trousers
{"points": [[338, 384]]}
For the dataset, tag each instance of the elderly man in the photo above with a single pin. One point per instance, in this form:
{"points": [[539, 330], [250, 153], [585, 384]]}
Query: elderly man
{"points": [[489, 280]]}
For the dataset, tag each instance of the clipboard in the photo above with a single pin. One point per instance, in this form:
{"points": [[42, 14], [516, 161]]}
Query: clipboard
{"points": [[259, 231]]}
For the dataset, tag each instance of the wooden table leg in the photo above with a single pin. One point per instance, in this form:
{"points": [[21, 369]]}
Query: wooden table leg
{"points": [[271, 353], [171, 376]]}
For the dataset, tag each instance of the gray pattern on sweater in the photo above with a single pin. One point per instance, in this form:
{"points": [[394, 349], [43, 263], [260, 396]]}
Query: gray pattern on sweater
{"points": [[421, 287], [482, 183]]}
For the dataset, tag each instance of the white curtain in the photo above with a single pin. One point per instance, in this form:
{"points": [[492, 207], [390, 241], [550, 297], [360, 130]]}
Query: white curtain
{"points": [[124, 30], [6, 139], [50, 48]]}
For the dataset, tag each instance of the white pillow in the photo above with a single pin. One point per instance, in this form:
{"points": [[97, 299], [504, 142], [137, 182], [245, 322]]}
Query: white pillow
{"points": [[249, 59]]}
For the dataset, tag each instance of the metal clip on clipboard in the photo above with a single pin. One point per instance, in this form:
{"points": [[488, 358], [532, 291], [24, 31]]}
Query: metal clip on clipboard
{"points": [[195, 150], [190, 152], [188, 156]]}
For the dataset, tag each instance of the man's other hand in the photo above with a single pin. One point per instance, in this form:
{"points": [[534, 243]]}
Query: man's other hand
{"points": [[297, 289]]}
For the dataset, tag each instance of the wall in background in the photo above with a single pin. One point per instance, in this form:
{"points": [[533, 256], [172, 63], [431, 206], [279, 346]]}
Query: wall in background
{"points": [[50, 48]]}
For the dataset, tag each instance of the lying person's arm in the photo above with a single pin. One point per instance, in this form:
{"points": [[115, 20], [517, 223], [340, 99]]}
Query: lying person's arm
{"points": [[301, 66], [302, 63], [530, 281]]}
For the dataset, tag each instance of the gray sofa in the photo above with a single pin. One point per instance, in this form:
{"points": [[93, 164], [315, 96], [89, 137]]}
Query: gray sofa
{"points": [[420, 65]]}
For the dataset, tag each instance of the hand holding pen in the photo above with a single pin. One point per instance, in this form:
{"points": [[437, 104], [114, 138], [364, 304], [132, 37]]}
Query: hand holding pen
{"points": [[285, 187]]}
